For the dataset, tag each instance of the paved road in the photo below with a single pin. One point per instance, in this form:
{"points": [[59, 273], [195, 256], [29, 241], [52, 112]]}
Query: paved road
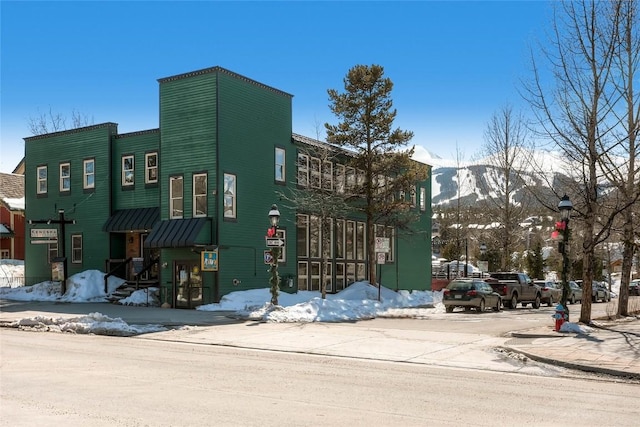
{"points": [[52, 379]]}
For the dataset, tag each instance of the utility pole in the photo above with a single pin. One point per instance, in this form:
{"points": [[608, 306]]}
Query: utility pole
{"points": [[61, 221]]}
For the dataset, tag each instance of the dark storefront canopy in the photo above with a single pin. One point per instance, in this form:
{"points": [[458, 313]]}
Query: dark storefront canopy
{"points": [[176, 233], [140, 219]]}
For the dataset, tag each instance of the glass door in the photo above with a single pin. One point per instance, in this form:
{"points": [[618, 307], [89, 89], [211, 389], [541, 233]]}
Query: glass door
{"points": [[187, 284]]}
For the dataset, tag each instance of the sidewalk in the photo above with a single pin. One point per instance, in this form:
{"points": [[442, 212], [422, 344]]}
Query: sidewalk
{"points": [[613, 349]]}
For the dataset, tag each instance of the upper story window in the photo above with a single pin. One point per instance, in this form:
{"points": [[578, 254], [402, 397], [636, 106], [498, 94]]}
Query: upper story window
{"points": [[423, 199], [151, 168], [303, 170], [340, 178], [89, 174], [280, 165], [414, 196], [200, 194], [127, 170], [327, 175], [176, 197], [65, 176], [351, 179], [42, 180], [315, 172], [229, 199]]}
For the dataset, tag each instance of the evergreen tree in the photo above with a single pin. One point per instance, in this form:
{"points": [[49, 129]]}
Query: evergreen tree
{"points": [[386, 176]]}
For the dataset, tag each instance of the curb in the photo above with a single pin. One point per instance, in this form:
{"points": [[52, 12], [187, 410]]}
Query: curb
{"points": [[584, 368]]}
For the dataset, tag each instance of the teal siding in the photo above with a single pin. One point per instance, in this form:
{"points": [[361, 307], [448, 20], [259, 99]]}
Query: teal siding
{"points": [[253, 120], [89, 208], [212, 121], [140, 195]]}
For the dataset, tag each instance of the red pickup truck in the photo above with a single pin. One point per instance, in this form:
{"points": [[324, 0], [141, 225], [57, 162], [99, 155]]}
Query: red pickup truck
{"points": [[515, 288]]}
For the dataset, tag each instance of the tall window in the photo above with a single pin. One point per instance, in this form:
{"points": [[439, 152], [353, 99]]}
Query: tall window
{"points": [[89, 174], [151, 168], [127, 170], [340, 178], [76, 248], [414, 195], [303, 170], [200, 194], [423, 199], [42, 180], [176, 196], [280, 166], [327, 175], [315, 172], [65, 176], [229, 195]]}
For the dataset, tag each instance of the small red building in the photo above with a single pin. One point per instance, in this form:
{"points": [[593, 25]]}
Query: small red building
{"points": [[12, 222]]}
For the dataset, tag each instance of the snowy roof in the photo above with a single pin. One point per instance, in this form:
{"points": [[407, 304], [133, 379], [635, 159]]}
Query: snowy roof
{"points": [[12, 190]]}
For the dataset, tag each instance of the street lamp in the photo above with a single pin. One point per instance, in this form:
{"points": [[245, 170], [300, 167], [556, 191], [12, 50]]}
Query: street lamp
{"points": [[274, 219], [562, 227]]}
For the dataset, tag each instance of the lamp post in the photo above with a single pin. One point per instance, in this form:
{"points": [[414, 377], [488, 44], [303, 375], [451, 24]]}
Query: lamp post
{"points": [[274, 219], [565, 206]]}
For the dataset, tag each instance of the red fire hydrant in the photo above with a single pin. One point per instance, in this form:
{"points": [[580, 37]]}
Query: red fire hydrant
{"points": [[561, 316]]}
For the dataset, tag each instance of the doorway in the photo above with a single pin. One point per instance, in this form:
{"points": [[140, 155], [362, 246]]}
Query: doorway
{"points": [[187, 284]]}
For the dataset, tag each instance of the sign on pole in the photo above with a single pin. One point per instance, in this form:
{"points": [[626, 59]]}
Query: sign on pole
{"points": [[382, 244], [268, 257], [44, 233], [274, 242], [382, 257]]}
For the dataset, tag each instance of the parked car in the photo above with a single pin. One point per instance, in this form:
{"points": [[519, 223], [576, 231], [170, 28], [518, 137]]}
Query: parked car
{"points": [[599, 292], [575, 294], [470, 293], [634, 287], [551, 291]]}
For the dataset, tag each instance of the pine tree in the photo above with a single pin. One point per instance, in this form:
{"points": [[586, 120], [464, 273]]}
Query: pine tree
{"points": [[386, 174]]}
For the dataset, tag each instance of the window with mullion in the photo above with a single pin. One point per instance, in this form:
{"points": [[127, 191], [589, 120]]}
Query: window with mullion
{"points": [[200, 195], [303, 170], [128, 170], [151, 168], [76, 248], [65, 177], [42, 180], [89, 174], [176, 197]]}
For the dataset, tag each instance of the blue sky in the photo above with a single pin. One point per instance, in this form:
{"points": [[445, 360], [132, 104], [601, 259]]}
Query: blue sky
{"points": [[453, 64]]}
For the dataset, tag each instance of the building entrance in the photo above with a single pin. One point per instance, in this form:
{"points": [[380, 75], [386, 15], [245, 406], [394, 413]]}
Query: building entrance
{"points": [[187, 284]]}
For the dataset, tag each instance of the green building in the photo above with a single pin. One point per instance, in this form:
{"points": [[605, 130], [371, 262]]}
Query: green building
{"points": [[184, 207]]}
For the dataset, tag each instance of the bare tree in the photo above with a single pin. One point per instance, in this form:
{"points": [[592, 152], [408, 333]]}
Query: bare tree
{"points": [[620, 163], [505, 155], [52, 121], [572, 108]]}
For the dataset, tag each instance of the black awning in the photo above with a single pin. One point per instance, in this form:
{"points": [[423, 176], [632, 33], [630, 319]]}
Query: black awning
{"points": [[139, 219], [176, 233]]}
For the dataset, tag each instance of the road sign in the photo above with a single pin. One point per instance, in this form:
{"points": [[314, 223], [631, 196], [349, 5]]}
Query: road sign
{"points": [[274, 242], [382, 257], [268, 257], [382, 244], [43, 233]]}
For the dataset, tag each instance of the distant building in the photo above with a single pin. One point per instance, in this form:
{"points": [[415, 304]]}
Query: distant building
{"points": [[12, 229], [184, 206]]}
